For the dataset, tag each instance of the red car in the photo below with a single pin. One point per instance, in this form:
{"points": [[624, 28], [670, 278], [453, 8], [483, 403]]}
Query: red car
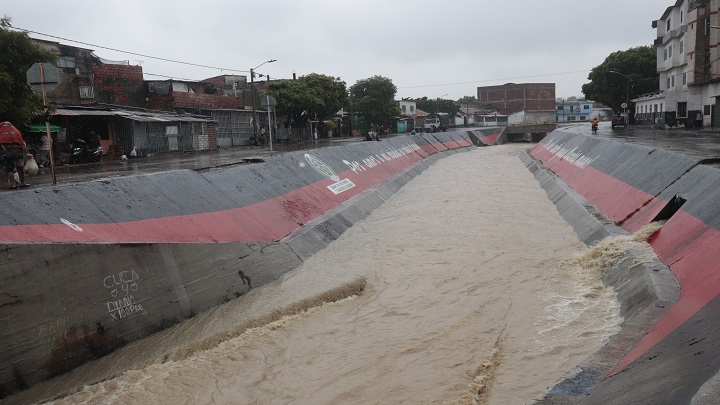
{"points": [[618, 121]]}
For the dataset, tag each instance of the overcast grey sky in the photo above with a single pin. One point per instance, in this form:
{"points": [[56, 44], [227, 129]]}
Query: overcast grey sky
{"points": [[427, 48]]}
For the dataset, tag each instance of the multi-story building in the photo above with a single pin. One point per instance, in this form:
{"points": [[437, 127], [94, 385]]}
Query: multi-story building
{"points": [[688, 66], [408, 108], [573, 110], [516, 97]]}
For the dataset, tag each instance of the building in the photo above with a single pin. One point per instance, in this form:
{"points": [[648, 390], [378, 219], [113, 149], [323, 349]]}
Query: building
{"points": [[408, 108], [573, 110], [515, 97], [112, 99], [688, 63], [85, 78]]}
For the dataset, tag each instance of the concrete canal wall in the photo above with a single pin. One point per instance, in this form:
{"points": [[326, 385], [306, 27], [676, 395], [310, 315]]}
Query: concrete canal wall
{"points": [[89, 267], [668, 351]]}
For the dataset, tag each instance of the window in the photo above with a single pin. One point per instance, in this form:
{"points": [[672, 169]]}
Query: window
{"points": [[583, 118], [66, 61], [682, 16], [561, 108], [412, 109], [706, 110], [684, 78], [404, 109], [87, 92], [661, 104], [665, 54], [669, 51], [682, 109], [586, 107], [673, 80], [655, 108], [668, 83], [667, 26], [682, 46]]}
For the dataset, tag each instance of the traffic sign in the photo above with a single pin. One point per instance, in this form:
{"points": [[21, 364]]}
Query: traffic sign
{"points": [[50, 76], [623, 105], [268, 101]]}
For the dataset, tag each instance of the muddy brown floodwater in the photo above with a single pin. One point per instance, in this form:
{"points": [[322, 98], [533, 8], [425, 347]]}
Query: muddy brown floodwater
{"points": [[464, 287]]}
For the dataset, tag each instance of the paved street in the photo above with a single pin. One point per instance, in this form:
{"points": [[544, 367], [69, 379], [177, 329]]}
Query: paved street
{"points": [[701, 142]]}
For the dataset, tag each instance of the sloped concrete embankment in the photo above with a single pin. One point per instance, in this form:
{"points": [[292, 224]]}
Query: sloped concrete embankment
{"points": [[668, 351], [487, 136], [88, 267]]}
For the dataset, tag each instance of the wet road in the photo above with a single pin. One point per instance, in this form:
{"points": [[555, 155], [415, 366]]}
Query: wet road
{"points": [[702, 142]]}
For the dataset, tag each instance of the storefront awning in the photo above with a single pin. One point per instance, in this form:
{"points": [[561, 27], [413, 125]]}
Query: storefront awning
{"points": [[41, 128]]}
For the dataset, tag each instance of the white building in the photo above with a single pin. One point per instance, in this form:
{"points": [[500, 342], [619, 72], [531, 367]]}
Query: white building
{"points": [[408, 108], [688, 65]]}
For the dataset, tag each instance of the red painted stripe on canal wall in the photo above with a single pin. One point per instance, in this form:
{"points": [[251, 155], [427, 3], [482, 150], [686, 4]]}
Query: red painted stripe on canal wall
{"points": [[631, 185]]}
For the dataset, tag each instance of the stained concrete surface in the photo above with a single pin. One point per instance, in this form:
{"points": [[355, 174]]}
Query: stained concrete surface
{"points": [[197, 160]]}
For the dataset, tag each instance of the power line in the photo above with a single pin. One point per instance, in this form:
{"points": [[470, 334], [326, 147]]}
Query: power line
{"points": [[495, 80], [133, 53], [247, 71]]}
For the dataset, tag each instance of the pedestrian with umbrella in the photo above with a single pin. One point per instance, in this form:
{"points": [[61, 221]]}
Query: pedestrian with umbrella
{"points": [[14, 152]]}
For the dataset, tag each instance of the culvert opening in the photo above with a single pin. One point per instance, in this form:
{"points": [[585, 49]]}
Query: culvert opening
{"points": [[670, 209]]}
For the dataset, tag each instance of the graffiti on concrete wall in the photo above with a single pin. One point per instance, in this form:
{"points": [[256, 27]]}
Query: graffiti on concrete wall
{"points": [[123, 286], [52, 331], [377, 159]]}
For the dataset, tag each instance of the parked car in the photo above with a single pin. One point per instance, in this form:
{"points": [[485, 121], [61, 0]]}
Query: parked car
{"points": [[618, 121]]}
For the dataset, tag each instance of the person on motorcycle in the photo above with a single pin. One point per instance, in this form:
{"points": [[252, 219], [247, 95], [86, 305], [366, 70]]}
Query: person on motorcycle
{"points": [[594, 124]]}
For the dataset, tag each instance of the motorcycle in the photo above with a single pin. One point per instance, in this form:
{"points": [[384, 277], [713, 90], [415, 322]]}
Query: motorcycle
{"points": [[84, 153], [594, 128]]}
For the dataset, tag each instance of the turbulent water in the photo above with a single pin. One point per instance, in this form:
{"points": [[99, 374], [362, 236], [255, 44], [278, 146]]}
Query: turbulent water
{"points": [[465, 287]]}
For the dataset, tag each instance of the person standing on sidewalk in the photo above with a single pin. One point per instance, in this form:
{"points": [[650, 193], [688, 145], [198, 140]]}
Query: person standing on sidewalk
{"points": [[14, 156], [44, 151]]}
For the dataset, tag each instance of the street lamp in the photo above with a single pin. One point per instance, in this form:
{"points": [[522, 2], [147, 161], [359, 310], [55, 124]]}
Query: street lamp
{"points": [[627, 91], [252, 86]]}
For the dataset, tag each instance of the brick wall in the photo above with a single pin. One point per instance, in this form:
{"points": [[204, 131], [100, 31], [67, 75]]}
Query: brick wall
{"points": [[119, 84], [178, 99], [512, 98]]}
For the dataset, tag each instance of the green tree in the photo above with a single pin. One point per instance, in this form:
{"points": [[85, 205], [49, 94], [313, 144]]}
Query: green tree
{"points": [[432, 105], [18, 103], [374, 99], [467, 100], [314, 96], [623, 75], [331, 91]]}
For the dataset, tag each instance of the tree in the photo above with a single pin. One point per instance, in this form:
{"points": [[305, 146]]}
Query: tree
{"points": [[374, 99], [331, 91], [467, 100], [437, 105], [18, 103], [313, 96], [636, 74]]}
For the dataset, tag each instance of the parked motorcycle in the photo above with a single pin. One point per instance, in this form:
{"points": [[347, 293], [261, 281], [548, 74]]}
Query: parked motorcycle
{"points": [[84, 153]]}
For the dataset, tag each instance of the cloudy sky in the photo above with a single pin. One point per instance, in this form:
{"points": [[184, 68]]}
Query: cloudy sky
{"points": [[427, 48]]}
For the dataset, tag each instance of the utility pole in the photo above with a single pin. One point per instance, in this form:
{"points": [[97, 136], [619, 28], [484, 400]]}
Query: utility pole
{"points": [[254, 119], [252, 85]]}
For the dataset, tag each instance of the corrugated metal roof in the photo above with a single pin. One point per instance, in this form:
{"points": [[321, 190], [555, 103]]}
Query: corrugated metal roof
{"points": [[131, 115], [76, 113]]}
